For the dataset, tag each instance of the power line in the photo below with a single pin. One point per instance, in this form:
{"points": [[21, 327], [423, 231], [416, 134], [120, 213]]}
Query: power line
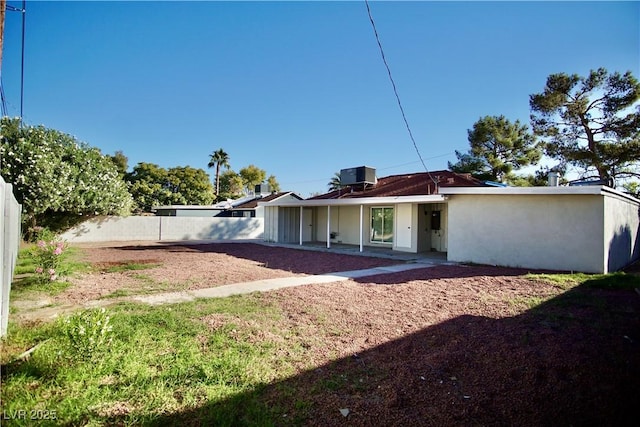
{"points": [[4, 99], [395, 91], [310, 181], [417, 161]]}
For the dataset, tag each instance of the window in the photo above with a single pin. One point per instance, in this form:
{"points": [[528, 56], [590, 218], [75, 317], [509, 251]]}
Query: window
{"points": [[382, 225]]}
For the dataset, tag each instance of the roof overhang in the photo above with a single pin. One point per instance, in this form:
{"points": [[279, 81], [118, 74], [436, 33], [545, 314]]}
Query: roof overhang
{"points": [[356, 201], [594, 190], [188, 207]]}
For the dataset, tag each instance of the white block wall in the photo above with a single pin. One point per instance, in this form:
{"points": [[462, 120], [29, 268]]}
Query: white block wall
{"points": [[10, 219], [155, 228]]}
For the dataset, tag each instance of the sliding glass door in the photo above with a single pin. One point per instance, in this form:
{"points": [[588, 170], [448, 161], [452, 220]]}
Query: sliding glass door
{"points": [[382, 225]]}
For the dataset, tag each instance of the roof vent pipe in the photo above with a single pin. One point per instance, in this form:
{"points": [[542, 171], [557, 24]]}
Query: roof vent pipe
{"points": [[552, 180]]}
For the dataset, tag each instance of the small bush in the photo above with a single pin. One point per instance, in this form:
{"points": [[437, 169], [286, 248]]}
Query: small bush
{"points": [[87, 333], [48, 254]]}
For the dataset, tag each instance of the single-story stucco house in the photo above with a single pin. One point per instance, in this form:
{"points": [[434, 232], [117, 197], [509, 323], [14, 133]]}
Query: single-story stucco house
{"points": [[580, 228]]}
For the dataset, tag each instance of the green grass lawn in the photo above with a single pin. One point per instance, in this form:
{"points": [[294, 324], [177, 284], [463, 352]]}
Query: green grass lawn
{"points": [[158, 360], [618, 280], [25, 281]]}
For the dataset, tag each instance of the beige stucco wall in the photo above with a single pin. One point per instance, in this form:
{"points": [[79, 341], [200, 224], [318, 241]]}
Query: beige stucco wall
{"points": [[345, 221], [557, 232], [621, 238]]}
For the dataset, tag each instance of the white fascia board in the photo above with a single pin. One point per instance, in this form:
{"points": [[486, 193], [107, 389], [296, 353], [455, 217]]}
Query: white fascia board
{"points": [[596, 190], [436, 198], [283, 195], [187, 207]]}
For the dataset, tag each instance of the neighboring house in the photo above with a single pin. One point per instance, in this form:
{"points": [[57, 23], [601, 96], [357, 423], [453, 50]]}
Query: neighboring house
{"points": [[246, 207], [233, 220], [585, 228]]}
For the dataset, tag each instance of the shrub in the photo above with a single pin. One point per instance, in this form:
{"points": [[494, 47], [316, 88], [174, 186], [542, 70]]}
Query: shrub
{"points": [[58, 179], [48, 254], [87, 333]]}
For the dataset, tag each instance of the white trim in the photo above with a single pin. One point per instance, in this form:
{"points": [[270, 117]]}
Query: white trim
{"points": [[596, 190], [393, 233], [301, 221], [328, 227], [435, 198], [223, 205], [361, 225]]}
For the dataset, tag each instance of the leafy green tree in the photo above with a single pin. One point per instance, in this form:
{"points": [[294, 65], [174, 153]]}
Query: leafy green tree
{"points": [[121, 161], [273, 183], [591, 122], [468, 163], [151, 185], [252, 176], [218, 159], [497, 148], [190, 186], [632, 188], [58, 179], [231, 185], [539, 178]]}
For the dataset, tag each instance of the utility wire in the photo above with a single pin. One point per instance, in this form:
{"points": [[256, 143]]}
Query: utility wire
{"points": [[4, 99], [395, 91]]}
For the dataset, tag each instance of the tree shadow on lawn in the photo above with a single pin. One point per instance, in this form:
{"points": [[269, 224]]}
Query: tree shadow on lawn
{"points": [[572, 360]]}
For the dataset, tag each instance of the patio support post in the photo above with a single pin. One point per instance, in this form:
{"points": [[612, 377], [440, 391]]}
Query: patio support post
{"points": [[328, 226], [301, 208], [361, 223]]}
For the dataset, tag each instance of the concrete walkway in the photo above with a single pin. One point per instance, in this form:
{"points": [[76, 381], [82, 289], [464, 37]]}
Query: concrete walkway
{"points": [[271, 284], [44, 312]]}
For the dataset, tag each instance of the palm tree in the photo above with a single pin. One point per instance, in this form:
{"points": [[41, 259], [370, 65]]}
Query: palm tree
{"points": [[218, 158], [335, 183]]}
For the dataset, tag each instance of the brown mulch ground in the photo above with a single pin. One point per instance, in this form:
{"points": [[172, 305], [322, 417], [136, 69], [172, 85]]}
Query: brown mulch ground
{"points": [[190, 267], [461, 346], [440, 346]]}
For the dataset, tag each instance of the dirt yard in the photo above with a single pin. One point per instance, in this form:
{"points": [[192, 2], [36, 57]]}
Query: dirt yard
{"points": [[439, 346]]}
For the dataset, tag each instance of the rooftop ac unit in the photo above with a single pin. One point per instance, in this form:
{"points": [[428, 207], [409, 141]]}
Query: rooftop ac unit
{"points": [[262, 189], [359, 175]]}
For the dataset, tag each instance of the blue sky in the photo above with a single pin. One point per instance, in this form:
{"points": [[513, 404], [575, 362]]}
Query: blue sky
{"points": [[299, 88]]}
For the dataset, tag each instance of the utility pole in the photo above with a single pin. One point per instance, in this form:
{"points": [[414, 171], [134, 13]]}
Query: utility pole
{"points": [[3, 7]]}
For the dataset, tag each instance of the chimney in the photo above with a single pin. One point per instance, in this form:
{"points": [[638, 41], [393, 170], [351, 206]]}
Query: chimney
{"points": [[552, 179]]}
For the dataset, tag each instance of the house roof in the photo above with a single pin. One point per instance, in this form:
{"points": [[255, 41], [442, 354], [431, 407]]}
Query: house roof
{"points": [[252, 204], [413, 184]]}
